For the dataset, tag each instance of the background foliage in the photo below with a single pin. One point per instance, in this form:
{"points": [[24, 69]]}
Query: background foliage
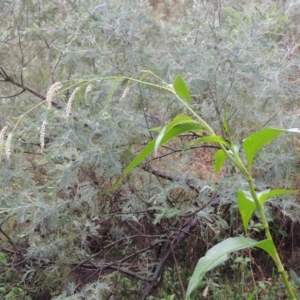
{"points": [[65, 232]]}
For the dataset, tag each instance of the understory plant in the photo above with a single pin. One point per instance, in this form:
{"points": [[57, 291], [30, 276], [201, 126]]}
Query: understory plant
{"points": [[242, 157], [62, 224]]}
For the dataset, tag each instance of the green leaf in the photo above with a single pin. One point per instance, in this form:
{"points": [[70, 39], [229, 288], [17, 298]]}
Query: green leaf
{"points": [[216, 256], [251, 296], [253, 143], [182, 119], [220, 159], [156, 129], [179, 125], [158, 140], [211, 139], [267, 194], [246, 206], [269, 247], [181, 88], [112, 90], [225, 123]]}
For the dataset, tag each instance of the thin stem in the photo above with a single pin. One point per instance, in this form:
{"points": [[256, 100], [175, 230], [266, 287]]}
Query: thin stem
{"points": [[276, 257], [178, 271], [259, 209], [233, 155], [9, 239]]}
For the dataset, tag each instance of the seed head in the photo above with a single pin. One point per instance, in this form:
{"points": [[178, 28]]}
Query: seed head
{"points": [[8, 146], [69, 104], [51, 92], [2, 136], [88, 89], [124, 93], [42, 136]]}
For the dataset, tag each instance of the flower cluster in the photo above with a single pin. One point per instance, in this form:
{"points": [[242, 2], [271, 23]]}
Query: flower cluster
{"points": [[124, 93], [69, 104], [88, 89], [2, 136], [53, 89], [8, 146], [42, 136]]}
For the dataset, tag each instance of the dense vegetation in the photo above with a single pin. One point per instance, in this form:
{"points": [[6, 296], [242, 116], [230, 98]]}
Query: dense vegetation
{"points": [[79, 100]]}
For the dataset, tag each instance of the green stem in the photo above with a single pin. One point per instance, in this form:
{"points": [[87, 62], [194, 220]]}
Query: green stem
{"points": [[265, 223], [233, 155], [259, 208], [235, 158]]}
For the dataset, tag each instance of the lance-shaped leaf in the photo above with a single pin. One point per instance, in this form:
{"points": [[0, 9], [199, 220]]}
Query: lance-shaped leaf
{"points": [[246, 206], [267, 194], [216, 256], [181, 89], [159, 139], [112, 90], [211, 139], [178, 126], [156, 129], [269, 247], [220, 159], [253, 143]]}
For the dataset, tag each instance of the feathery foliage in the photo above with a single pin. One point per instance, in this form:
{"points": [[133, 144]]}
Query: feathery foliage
{"points": [[62, 224]]}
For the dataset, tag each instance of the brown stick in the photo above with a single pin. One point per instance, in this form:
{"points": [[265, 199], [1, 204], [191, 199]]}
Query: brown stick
{"points": [[191, 183], [6, 78]]}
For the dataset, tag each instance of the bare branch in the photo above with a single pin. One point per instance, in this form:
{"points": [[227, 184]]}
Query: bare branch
{"points": [[191, 183], [10, 240], [14, 95], [154, 278], [6, 78]]}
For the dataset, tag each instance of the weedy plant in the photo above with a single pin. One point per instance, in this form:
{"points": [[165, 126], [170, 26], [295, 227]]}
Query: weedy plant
{"points": [[64, 151], [248, 200]]}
